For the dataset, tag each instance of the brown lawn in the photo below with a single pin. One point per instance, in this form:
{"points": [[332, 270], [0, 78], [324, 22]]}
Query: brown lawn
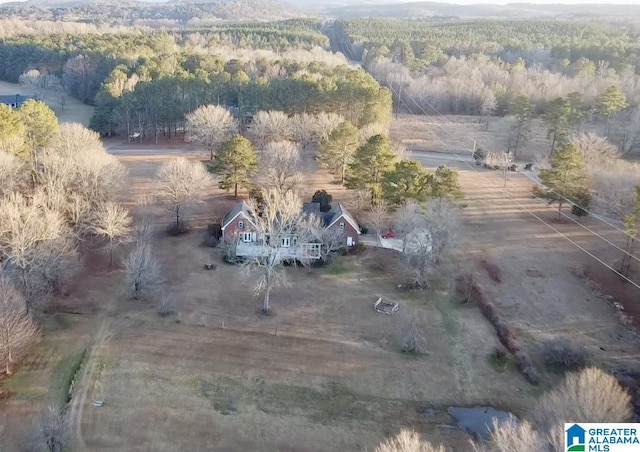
{"points": [[324, 373], [72, 111]]}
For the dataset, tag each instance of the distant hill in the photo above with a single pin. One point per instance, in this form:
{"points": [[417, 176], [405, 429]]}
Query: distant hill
{"points": [[385, 8], [237, 10]]}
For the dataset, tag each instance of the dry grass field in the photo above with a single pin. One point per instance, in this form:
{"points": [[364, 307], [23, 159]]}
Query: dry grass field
{"points": [[325, 372], [457, 133], [73, 110]]}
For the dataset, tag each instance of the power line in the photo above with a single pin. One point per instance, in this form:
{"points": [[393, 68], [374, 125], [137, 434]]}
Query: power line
{"points": [[593, 214], [532, 213], [595, 233]]}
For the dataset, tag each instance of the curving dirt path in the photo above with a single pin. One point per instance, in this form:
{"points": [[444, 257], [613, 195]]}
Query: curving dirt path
{"points": [[87, 377]]}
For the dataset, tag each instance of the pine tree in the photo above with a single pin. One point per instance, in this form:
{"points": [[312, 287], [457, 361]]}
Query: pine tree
{"points": [[609, 103], [445, 183], [236, 163], [632, 228], [566, 180], [522, 110], [40, 125], [10, 124], [371, 161], [557, 119], [409, 180], [336, 153], [576, 111]]}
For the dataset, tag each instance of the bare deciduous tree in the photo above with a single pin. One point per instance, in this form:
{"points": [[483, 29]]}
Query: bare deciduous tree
{"points": [[409, 219], [270, 126], [596, 151], [50, 432], [590, 395], [142, 273], [303, 129], [14, 145], [325, 123], [144, 226], [181, 185], [280, 167], [507, 161], [414, 340], [513, 436], [281, 225], [40, 84], [442, 222], [307, 129], [407, 441], [79, 175], [211, 125], [370, 130], [359, 202], [35, 245], [428, 237], [332, 241], [113, 223], [378, 214], [14, 174], [613, 187], [17, 328], [401, 150], [168, 304], [54, 265]]}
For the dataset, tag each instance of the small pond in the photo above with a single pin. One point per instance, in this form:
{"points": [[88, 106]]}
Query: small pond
{"points": [[478, 421]]}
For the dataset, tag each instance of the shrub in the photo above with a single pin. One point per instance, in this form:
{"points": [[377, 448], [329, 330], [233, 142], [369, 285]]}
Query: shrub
{"points": [[167, 304], [212, 236], [323, 198], [514, 436], [407, 441], [177, 229], [563, 355], [506, 335], [590, 395], [500, 358], [493, 270], [526, 368], [414, 340]]}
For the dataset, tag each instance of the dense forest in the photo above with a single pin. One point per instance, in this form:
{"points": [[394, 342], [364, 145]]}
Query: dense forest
{"points": [[474, 67], [138, 13], [553, 44], [581, 71], [145, 80]]}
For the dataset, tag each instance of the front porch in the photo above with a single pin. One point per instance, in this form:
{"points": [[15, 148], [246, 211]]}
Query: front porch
{"points": [[259, 249]]}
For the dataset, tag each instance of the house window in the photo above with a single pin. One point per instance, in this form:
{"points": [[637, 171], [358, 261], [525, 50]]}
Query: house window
{"points": [[294, 241], [246, 237], [341, 225], [240, 224], [285, 242]]}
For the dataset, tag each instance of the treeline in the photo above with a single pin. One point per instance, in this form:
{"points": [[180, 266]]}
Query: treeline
{"points": [[152, 97], [553, 44], [155, 15], [486, 67], [83, 61]]}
